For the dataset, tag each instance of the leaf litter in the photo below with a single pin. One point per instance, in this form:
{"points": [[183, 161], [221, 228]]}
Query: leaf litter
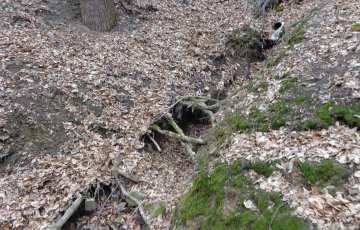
{"points": [[172, 49]]}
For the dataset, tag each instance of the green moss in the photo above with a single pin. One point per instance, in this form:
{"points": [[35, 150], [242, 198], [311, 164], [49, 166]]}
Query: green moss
{"points": [[155, 209], [288, 84], [298, 33], [262, 168], [355, 27], [203, 207], [311, 124], [348, 116], [261, 87], [329, 113], [279, 9], [324, 113], [301, 99], [241, 124], [324, 174], [276, 60]]}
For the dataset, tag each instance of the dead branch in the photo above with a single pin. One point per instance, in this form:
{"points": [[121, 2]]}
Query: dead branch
{"points": [[69, 212], [178, 136]]}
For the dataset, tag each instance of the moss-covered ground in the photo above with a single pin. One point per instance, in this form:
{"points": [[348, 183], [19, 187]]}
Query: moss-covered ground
{"points": [[216, 201], [323, 174]]}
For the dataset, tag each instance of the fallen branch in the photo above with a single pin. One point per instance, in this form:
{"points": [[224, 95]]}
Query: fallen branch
{"points": [[69, 212], [178, 136], [121, 173], [157, 146]]}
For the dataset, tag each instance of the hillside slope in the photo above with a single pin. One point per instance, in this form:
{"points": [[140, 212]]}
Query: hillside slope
{"points": [[75, 104]]}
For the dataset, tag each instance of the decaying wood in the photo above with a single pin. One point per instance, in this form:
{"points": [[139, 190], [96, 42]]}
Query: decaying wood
{"points": [[69, 212]]}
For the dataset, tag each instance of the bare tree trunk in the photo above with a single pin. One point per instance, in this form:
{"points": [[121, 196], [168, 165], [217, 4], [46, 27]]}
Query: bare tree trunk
{"points": [[99, 15]]}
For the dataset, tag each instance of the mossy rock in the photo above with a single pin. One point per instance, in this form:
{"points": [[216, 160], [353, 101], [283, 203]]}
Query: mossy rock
{"points": [[217, 201], [156, 209]]}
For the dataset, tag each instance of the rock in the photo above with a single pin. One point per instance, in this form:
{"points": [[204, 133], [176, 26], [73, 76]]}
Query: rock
{"points": [[138, 195], [156, 209], [120, 207], [4, 137], [90, 204]]}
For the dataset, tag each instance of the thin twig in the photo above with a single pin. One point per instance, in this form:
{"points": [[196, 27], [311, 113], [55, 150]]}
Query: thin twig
{"points": [[273, 217]]}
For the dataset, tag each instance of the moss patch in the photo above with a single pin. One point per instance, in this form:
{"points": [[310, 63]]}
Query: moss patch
{"points": [[323, 174], [155, 209], [298, 33], [275, 61], [262, 168], [288, 85], [355, 27], [331, 112], [205, 205]]}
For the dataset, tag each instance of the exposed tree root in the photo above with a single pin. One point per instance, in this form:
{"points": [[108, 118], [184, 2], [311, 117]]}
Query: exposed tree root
{"points": [[184, 108], [187, 146], [184, 138], [157, 146]]}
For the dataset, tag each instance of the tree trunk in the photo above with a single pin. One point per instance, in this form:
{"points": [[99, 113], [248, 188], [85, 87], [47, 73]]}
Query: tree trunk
{"points": [[99, 15]]}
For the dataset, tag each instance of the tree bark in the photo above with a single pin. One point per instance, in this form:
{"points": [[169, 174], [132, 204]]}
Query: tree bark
{"points": [[98, 15]]}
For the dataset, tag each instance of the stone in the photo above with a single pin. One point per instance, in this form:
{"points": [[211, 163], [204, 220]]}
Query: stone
{"points": [[90, 204], [156, 209], [138, 195]]}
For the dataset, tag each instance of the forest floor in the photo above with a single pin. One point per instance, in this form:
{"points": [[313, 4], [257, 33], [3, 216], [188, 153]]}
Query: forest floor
{"points": [[74, 104]]}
